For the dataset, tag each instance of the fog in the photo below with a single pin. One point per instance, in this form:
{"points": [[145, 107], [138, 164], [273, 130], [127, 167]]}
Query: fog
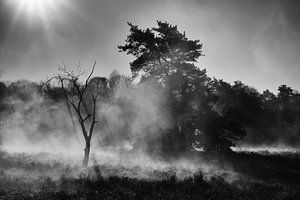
{"points": [[125, 141]]}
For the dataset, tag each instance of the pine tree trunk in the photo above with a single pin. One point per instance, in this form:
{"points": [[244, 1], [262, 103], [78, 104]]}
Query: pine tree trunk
{"points": [[86, 154]]}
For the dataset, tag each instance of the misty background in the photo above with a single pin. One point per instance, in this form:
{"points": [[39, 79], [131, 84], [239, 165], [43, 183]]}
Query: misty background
{"points": [[255, 42], [149, 99]]}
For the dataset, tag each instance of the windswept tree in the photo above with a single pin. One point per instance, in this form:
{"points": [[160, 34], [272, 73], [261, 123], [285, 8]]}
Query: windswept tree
{"points": [[161, 52], [166, 55], [82, 98]]}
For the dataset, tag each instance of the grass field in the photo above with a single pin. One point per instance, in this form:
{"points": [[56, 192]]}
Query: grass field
{"points": [[253, 176]]}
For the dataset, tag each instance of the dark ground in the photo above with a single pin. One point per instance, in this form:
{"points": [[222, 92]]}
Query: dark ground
{"points": [[260, 177]]}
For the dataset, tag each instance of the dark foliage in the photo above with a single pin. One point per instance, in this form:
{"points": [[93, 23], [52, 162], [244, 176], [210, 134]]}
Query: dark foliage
{"points": [[208, 114]]}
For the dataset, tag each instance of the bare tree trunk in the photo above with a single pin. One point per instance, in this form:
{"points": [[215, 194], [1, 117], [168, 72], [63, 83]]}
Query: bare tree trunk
{"points": [[87, 136], [86, 154], [77, 104]]}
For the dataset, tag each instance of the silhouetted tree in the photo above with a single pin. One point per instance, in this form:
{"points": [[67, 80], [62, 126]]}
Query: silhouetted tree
{"points": [[76, 95], [3, 91], [167, 56], [3, 107], [285, 98], [160, 52]]}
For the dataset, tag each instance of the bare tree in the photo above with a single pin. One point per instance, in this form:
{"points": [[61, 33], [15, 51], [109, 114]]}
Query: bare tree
{"points": [[76, 94]]}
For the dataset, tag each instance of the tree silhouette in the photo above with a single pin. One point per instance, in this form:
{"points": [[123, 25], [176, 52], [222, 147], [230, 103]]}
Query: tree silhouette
{"points": [[285, 98], [167, 56], [160, 52], [76, 94]]}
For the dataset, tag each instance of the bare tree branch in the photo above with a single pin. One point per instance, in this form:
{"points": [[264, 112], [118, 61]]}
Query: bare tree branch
{"points": [[76, 98], [88, 116]]}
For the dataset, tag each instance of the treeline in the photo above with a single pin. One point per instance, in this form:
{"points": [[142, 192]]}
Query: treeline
{"points": [[201, 113]]}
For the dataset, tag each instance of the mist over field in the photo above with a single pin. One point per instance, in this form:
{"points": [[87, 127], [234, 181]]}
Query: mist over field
{"points": [[149, 99], [128, 140], [133, 124]]}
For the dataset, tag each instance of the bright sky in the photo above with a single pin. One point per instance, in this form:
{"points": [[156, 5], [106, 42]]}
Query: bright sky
{"points": [[257, 41]]}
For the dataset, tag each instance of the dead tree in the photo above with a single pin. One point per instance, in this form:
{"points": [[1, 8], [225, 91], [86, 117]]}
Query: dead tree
{"points": [[75, 94]]}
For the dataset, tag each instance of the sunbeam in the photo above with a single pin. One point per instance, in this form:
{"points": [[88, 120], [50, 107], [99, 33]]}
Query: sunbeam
{"points": [[43, 13], [36, 8]]}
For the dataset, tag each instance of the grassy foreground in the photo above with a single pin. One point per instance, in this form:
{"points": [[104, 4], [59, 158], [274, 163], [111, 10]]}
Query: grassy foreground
{"points": [[22, 178]]}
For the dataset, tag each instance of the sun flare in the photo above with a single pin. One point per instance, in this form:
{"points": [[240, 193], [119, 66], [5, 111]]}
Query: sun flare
{"points": [[39, 13], [35, 7], [38, 9]]}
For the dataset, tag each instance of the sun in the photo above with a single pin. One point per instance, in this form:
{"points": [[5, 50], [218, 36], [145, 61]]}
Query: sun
{"points": [[32, 6], [38, 13], [35, 8], [38, 9]]}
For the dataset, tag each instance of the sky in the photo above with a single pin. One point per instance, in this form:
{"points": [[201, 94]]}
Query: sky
{"points": [[257, 41]]}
